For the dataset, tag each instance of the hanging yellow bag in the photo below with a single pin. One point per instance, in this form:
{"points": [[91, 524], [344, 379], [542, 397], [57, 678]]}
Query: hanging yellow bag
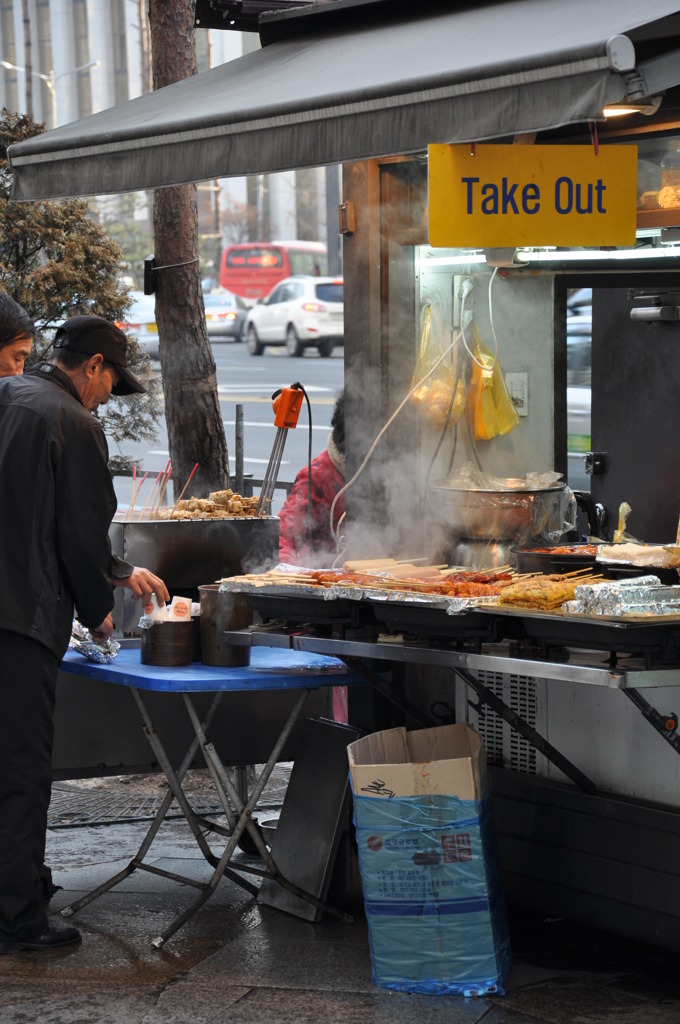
{"points": [[491, 409]]}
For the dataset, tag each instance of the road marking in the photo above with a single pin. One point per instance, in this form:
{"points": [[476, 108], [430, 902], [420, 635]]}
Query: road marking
{"points": [[223, 389], [270, 424], [259, 462]]}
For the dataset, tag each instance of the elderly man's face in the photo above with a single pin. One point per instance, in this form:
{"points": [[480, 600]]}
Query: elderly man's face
{"points": [[14, 355]]}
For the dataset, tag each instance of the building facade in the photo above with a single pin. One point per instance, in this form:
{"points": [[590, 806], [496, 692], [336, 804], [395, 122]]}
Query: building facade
{"points": [[64, 59]]}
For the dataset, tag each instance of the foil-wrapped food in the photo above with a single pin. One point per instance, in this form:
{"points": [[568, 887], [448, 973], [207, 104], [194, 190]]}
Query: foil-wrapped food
{"points": [[82, 643], [644, 595]]}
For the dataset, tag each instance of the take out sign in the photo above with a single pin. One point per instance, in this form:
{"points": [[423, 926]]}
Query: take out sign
{"points": [[491, 196]]}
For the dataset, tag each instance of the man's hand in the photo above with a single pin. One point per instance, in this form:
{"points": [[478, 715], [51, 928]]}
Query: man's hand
{"points": [[143, 584], [103, 631]]}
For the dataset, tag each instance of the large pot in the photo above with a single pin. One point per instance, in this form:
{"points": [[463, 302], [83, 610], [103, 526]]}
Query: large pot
{"points": [[510, 513]]}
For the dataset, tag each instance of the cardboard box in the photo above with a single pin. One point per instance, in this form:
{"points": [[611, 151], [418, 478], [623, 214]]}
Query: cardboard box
{"points": [[428, 861], [446, 759]]}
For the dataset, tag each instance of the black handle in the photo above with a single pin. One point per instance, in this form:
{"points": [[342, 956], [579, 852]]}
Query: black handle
{"points": [[585, 502]]}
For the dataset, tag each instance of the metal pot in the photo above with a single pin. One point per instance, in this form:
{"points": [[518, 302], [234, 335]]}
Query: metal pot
{"points": [[547, 561], [511, 514]]}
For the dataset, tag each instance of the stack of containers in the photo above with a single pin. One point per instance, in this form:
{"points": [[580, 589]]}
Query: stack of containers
{"points": [[428, 861]]}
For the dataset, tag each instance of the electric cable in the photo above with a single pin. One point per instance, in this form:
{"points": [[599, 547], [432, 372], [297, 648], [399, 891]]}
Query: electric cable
{"points": [[394, 415]]}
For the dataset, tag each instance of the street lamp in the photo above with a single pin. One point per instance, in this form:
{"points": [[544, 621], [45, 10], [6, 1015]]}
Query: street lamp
{"points": [[50, 80]]}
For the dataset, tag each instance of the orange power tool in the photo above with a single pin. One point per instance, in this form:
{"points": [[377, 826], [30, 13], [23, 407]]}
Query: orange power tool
{"points": [[287, 403]]}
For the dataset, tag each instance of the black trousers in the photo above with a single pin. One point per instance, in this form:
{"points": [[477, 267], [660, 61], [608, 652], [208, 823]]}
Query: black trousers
{"points": [[28, 679]]}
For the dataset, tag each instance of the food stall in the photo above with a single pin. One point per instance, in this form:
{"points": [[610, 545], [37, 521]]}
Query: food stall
{"points": [[592, 835]]}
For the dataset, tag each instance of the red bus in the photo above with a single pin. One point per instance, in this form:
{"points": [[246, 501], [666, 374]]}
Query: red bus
{"points": [[251, 269]]}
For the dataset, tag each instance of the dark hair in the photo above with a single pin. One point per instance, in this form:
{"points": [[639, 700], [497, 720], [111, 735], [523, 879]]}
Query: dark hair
{"points": [[14, 321], [338, 422], [69, 359]]}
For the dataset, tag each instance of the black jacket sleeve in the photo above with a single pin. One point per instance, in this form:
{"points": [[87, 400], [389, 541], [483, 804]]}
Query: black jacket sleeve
{"points": [[86, 503]]}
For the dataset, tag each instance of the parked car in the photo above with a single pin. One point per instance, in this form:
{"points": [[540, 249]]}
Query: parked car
{"points": [[141, 321], [225, 315], [299, 312]]}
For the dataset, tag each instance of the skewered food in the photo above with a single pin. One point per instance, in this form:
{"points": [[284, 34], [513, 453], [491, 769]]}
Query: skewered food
{"points": [[218, 505], [486, 584]]}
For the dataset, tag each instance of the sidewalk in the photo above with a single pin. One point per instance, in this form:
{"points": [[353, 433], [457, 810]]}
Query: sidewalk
{"points": [[242, 963]]}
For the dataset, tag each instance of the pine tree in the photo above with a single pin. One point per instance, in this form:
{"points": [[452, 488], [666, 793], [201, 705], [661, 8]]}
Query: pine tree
{"points": [[57, 262]]}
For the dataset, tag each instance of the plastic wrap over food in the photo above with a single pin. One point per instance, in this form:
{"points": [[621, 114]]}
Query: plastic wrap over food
{"points": [[470, 477], [654, 555], [82, 643], [554, 515], [643, 595]]}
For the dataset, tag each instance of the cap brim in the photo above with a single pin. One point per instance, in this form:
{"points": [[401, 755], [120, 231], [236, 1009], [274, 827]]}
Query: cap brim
{"points": [[127, 383]]}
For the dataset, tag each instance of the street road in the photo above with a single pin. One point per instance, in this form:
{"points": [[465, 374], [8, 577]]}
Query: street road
{"points": [[251, 381]]}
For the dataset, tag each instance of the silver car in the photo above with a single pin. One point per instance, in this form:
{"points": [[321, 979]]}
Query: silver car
{"points": [[225, 315], [140, 320]]}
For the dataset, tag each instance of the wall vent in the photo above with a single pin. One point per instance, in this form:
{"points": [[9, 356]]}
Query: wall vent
{"points": [[504, 746]]}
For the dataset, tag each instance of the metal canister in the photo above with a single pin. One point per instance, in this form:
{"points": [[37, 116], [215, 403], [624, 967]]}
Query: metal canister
{"points": [[167, 644], [219, 612]]}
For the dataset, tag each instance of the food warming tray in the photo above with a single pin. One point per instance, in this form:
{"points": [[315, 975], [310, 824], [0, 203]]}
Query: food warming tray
{"points": [[298, 605], [646, 635], [450, 619]]}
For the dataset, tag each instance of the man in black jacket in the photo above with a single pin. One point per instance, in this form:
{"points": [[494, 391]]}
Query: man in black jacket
{"points": [[56, 505]]}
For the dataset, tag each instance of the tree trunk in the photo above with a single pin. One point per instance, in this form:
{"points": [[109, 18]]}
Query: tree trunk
{"points": [[192, 410]]}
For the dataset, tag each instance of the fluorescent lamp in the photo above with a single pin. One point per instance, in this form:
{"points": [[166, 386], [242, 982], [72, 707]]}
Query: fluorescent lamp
{"points": [[600, 255], [647, 107], [452, 261]]}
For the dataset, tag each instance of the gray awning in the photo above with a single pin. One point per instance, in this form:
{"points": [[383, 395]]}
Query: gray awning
{"points": [[350, 92]]}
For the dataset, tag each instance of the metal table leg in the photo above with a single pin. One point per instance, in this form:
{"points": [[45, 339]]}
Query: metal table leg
{"points": [[137, 860], [225, 785]]}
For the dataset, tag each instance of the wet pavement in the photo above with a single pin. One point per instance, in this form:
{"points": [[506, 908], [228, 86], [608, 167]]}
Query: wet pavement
{"points": [[236, 961]]}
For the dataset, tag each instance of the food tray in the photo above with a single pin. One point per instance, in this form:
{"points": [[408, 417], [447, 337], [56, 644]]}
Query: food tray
{"points": [[636, 634], [383, 596], [432, 621], [312, 609]]}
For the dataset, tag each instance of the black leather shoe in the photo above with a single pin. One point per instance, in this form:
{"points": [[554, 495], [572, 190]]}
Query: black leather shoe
{"points": [[53, 938]]}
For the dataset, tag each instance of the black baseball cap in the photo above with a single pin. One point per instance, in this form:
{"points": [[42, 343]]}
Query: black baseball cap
{"points": [[93, 335]]}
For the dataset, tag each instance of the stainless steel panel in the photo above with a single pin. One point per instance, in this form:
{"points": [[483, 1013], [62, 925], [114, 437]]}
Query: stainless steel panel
{"points": [[188, 553]]}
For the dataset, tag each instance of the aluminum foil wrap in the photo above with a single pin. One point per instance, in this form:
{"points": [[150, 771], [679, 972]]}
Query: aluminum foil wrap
{"points": [[642, 595], [82, 643]]}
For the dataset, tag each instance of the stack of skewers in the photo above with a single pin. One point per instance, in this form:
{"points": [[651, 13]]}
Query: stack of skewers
{"points": [[502, 585]]}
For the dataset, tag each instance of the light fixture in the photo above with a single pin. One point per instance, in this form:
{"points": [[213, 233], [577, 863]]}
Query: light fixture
{"points": [[648, 106], [597, 255], [457, 260]]}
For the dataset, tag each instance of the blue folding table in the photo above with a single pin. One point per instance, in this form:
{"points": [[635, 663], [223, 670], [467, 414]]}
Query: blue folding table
{"points": [[269, 669]]}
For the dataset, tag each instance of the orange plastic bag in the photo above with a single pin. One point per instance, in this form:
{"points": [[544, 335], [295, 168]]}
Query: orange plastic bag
{"points": [[438, 382]]}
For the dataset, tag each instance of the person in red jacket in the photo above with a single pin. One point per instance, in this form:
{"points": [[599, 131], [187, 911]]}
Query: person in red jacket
{"points": [[305, 536]]}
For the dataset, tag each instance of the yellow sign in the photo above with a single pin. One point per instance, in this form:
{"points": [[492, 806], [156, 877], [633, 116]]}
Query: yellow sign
{"points": [[485, 196]]}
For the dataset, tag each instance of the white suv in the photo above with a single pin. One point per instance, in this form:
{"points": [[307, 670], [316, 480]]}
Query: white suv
{"points": [[299, 312]]}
